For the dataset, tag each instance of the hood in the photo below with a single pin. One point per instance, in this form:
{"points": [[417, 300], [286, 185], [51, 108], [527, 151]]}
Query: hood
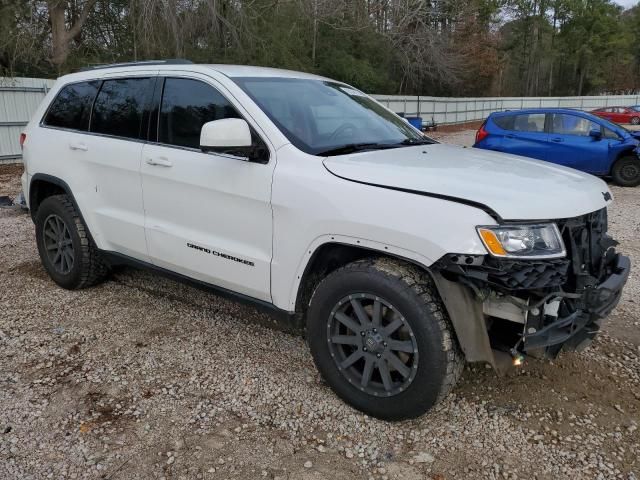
{"points": [[516, 188]]}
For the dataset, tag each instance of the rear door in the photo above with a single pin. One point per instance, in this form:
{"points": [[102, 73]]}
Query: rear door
{"points": [[571, 145], [524, 134], [619, 115], [208, 215], [94, 131], [113, 149], [607, 113]]}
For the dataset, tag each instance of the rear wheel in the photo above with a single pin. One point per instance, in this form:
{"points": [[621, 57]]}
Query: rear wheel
{"points": [[67, 252], [382, 340], [626, 171]]}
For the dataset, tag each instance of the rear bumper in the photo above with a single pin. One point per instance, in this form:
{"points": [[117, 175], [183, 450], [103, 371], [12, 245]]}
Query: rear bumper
{"points": [[577, 330]]}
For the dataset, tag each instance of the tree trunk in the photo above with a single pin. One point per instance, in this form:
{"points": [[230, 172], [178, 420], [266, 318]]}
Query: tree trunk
{"points": [[61, 36]]}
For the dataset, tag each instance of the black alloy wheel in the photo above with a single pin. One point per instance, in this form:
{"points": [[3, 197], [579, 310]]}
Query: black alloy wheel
{"points": [[372, 344]]}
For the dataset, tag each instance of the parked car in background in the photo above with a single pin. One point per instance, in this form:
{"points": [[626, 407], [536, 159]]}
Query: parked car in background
{"points": [[566, 137], [619, 114]]}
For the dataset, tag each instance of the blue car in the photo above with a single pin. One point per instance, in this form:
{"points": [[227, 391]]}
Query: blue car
{"points": [[566, 137]]}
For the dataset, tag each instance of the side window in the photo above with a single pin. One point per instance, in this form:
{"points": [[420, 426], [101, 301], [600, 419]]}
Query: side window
{"points": [[72, 106], [532, 122], [565, 124], [186, 106], [119, 106], [608, 133], [505, 122]]}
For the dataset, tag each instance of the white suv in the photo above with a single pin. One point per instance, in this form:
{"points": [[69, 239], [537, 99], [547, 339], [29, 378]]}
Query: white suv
{"points": [[400, 257]]}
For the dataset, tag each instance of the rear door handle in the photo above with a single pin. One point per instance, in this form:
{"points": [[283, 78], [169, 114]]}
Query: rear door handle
{"points": [[557, 139], [159, 161], [78, 146], [510, 136]]}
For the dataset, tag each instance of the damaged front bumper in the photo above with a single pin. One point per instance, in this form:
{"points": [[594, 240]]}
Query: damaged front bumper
{"points": [[503, 309], [576, 330]]}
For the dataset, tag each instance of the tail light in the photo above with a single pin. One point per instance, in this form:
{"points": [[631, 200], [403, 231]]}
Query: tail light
{"points": [[481, 134], [23, 138]]}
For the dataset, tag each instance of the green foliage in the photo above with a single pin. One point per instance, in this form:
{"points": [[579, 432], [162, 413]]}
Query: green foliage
{"points": [[426, 47]]}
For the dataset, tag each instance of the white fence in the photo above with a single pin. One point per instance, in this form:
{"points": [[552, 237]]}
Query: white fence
{"points": [[19, 98], [444, 110]]}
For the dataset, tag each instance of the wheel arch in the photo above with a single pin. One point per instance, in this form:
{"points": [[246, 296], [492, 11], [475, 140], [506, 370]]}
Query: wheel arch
{"points": [[331, 252], [42, 186], [627, 152]]}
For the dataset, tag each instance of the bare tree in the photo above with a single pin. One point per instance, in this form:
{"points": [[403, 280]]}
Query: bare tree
{"points": [[66, 19]]}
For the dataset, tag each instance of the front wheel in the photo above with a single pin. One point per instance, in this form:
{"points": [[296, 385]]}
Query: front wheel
{"points": [[635, 120], [382, 340], [626, 171]]}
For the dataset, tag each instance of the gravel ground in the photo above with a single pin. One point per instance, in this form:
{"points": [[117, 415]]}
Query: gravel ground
{"points": [[142, 377]]}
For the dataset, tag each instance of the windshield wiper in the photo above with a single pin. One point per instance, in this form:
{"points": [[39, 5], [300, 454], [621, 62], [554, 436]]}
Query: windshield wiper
{"points": [[356, 147], [417, 141]]}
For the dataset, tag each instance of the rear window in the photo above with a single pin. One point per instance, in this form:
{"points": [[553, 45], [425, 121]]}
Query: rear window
{"points": [[72, 106], [119, 106]]}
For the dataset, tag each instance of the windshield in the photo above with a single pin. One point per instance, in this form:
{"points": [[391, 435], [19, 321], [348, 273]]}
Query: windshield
{"points": [[327, 118]]}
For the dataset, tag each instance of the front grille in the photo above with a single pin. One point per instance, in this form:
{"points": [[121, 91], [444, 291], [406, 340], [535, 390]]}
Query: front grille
{"points": [[589, 249]]}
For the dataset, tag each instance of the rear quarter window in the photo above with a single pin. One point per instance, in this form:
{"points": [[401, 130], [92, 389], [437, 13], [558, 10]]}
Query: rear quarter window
{"points": [[72, 106], [505, 122]]}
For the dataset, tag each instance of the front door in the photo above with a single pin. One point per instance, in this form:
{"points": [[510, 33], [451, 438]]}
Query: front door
{"points": [[571, 145], [207, 216]]}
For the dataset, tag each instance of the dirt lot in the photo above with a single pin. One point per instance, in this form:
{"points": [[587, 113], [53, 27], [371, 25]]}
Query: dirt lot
{"points": [[142, 377]]}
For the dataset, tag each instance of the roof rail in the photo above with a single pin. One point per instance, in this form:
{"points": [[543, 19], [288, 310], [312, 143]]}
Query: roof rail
{"points": [[170, 61]]}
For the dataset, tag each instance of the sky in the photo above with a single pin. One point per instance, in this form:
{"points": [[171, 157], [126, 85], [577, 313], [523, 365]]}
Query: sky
{"points": [[627, 3]]}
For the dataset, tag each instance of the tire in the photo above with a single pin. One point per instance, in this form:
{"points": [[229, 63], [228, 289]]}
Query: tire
{"points": [[66, 249], [626, 171], [403, 292], [635, 120]]}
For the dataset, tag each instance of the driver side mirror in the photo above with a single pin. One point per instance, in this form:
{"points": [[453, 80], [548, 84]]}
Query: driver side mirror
{"points": [[595, 133], [232, 136], [225, 134]]}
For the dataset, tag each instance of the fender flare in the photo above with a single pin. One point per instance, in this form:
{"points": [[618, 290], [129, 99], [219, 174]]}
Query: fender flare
{"points": [[54, 181], [382, 248]]}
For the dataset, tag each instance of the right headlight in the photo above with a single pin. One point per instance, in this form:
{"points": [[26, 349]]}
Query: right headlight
{"points": [[523, 241]]}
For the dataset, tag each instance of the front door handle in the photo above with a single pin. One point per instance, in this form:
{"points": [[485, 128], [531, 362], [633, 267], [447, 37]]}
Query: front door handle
{"points": [[510, 136], [557, 140], [159, 161], [78, 146]]}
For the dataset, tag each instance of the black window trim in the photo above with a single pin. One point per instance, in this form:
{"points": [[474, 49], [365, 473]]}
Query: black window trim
{"points": [[157, 99], [152, 77]]}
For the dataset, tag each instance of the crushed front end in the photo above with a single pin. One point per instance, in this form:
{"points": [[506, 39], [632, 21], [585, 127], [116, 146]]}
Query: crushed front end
{"points": [[535, 306]]}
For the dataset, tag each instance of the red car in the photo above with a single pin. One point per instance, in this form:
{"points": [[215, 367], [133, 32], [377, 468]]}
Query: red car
{"points": [[619, 114]]}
